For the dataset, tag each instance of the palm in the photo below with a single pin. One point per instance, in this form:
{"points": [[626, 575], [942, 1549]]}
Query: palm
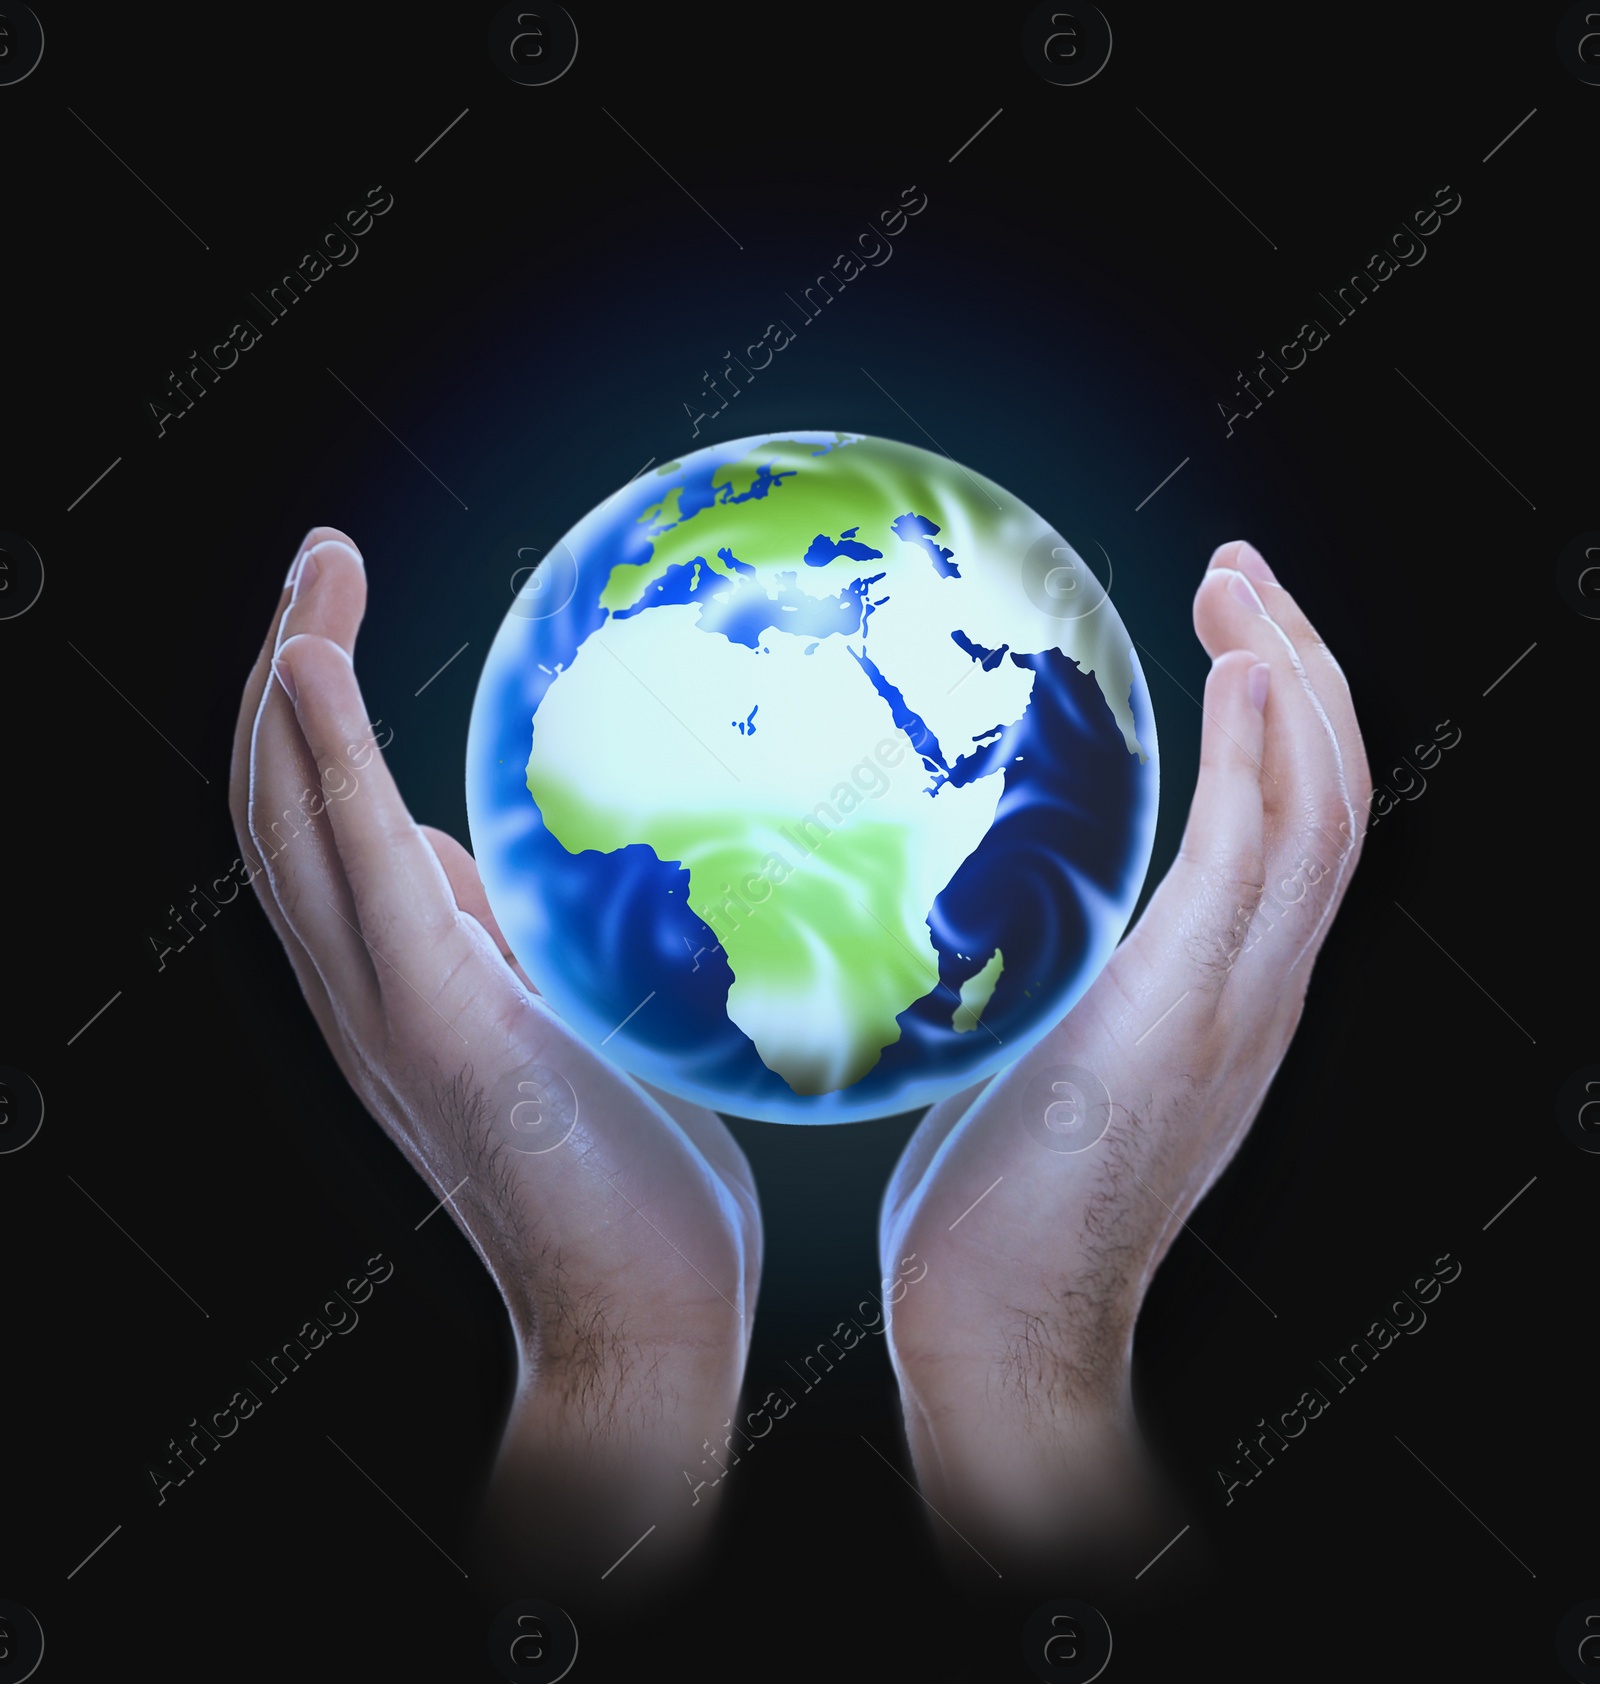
{"points": [[631, 1234], [633, 1197], [1037, 1285]]}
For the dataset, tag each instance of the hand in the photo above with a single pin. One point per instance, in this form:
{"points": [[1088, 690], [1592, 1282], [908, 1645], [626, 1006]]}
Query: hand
{"points": [[628, 1256], [1013, 1356]]}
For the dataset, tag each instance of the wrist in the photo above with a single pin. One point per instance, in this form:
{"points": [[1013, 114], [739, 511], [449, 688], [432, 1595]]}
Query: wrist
{"points": [[591, 1458], [1026, 1456]]}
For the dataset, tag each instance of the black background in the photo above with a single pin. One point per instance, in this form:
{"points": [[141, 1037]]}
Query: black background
{"points": [[531, 318]]}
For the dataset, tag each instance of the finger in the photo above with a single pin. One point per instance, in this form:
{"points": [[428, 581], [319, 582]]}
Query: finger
{"points": [[290, 794], [1306, 796], [256, 682], [239, 801], [1197, 920], [1312, 831], [328, 600], [704, 1128], [290, 798], [1326, 675], [1224, 835], [401, 895], [467, 886], [330, 595]]}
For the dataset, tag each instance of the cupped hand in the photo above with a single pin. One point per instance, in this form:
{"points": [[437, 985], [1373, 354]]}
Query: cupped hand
{"points": [[1013, 1356], [624, 1239]]}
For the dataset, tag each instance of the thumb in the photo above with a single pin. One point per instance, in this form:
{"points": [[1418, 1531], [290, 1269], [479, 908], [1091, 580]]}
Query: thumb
{"points": [[466, 884], [1196, 920]]}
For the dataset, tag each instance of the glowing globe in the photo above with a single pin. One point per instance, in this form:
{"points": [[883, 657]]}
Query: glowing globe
{"points": [[812, 777]]}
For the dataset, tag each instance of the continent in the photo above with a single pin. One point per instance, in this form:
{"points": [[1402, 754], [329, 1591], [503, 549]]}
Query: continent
{"points": [[812, 850], [771, 507], [729, 488]]}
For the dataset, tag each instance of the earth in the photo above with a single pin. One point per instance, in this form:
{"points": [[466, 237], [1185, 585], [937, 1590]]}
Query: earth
{"points": [[812, 777]]}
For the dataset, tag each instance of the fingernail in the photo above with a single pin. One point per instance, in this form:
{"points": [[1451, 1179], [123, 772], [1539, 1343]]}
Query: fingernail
{"points": [[286, 679], [294, 567], [1259, 675], [1243, 591], [1251, 561], [349, 550]]}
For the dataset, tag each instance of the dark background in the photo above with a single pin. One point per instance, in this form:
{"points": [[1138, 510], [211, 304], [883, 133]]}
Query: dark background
{"points": [[531, 317]]}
